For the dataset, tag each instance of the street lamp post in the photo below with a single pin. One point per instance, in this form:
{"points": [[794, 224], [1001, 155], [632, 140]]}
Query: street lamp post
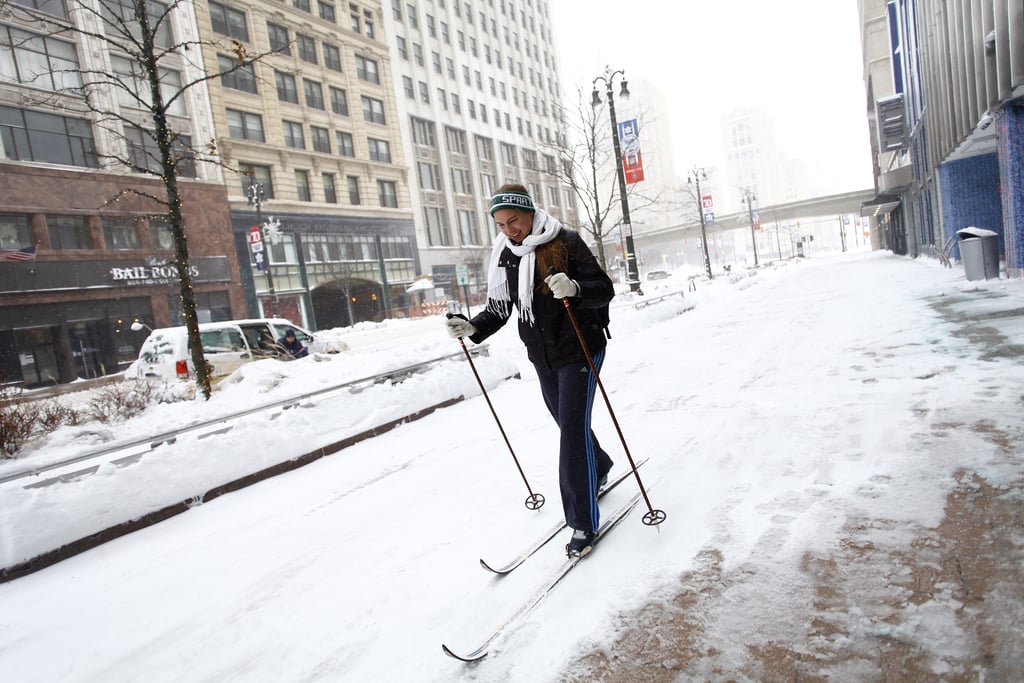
{"points": [[632, 273], [749, 198], [694, 177], [256, 200]]}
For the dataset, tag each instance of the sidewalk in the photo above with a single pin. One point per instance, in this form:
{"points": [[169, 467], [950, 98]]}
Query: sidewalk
{"points": [[883, 588]]}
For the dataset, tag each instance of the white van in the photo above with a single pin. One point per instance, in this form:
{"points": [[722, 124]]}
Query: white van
{"points": [[226, 345]]}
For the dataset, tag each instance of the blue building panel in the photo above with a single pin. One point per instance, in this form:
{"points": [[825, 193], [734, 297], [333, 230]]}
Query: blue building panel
{"points": [[970, 195]]}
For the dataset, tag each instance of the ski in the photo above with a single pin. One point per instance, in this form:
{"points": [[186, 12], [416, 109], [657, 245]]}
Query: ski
{"points": [[530, 603], [553, 531]]}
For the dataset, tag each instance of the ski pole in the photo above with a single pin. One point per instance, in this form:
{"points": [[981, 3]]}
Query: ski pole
{"points": [[535, 500], [652, 517]]}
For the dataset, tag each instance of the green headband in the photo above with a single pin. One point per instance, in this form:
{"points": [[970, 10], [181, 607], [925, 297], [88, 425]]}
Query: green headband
{"points": [[511, 200]]}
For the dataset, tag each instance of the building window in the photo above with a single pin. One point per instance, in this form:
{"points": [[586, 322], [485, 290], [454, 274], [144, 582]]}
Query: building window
{"points": [[119, 233], [437, 227], [455, 140], [307, 48], [423, 133], [353, 190], [461, 183], [14, 231], [144, 155], [373, 110], [429, 175], [508, 155], [67, 232], [386, 189], [314, 93], [417, 54], [403, 50], [366, 69], [332, 57], [55, 8], [407, 87], [321, 139], [469, 233], [251, 173], [228, 22], [301, 4], [346, 148], [286, 88], [134, 89], [279, 39], [293, 136], [553, 197], [37, 136], [302, 185], [160, 234], [327, 11], [380, 150], [484, 148], [368, 24], [413, 22], [330, 191], [339, 102], [39, 61], [243, 125], [424, 93], [234, 76], [354, 18]]}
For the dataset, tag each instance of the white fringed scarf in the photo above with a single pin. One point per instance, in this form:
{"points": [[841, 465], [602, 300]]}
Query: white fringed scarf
{"points": [[545, 229]]}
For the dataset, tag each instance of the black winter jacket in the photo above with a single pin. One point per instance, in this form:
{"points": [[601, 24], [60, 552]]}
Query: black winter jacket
{"points": [[550, 340]]}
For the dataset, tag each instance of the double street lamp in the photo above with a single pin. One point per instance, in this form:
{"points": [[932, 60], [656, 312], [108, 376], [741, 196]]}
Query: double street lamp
{"points": [[632, 274], [696, 175], [749, 198]]}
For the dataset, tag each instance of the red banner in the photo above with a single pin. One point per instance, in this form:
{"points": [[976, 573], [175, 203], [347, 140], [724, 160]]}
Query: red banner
{"points": [[633, 167]]}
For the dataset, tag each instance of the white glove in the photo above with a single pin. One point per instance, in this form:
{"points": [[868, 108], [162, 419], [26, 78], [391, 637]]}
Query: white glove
{"points": [[561, 286], [459, 327]]}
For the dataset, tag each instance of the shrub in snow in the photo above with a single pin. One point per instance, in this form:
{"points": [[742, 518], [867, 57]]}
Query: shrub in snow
{"points": [[22, 420]]}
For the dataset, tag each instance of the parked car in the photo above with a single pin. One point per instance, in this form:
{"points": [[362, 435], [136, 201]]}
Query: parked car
{"points": [[657, 275], [226, 345]]}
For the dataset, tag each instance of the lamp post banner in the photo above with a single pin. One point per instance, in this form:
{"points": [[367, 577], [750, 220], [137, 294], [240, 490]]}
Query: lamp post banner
{"points": [[632, 161]]}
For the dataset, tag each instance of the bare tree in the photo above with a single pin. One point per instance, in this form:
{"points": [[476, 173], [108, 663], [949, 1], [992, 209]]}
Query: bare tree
{"points": [[587, 166], [138, 33]]}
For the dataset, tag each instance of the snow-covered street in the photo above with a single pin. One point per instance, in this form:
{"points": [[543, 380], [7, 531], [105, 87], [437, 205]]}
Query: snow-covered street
{"points": [[846, 391]]}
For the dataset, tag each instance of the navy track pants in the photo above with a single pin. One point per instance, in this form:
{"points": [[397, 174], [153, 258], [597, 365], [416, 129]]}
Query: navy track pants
{"points": [[569, 395]]}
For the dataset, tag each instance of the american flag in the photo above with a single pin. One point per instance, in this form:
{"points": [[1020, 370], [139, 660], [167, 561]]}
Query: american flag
{"points": [[23, 254]]}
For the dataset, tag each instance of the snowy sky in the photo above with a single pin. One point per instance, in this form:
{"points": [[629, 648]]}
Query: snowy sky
{"points": [[776, 410], [798, 60]]}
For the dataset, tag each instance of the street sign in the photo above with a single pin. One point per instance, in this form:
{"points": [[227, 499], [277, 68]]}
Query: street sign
{"points": [[255, 239], [462, 273]]}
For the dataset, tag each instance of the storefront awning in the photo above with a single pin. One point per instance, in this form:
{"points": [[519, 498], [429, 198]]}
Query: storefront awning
{"points": [[881, 203]]}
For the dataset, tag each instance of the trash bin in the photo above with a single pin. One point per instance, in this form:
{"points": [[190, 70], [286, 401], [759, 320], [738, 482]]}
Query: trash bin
{"points": [[979, 251]]}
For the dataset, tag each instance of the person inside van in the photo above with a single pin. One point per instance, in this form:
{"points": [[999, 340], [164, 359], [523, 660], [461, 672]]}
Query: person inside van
{"points": [[292, 344]]}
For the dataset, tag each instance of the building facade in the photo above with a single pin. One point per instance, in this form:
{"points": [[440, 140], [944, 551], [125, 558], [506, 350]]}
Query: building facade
{"points": [[311, 135], [945, 83], [94, 250], [479, 102]]}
